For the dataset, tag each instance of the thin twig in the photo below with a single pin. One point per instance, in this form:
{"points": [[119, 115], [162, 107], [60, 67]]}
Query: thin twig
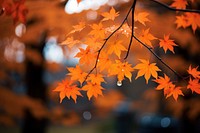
{"points": [[174, 9], [132, 30], [158, 57]]}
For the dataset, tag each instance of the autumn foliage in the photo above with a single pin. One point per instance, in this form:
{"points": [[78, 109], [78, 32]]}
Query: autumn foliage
{"points": [[105, 50]]}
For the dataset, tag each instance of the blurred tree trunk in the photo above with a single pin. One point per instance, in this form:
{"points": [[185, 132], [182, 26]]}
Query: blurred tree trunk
{"points": [[36, 88]]}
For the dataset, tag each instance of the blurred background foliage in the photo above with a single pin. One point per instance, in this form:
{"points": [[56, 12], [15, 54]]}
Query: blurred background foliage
{"points": [[32, 62]]}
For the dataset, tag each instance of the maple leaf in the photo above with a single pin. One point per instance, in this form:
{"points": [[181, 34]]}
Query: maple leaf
{"points": [[116, 48], [96, 79], [142, 17], [175, 92], [194, 85], [93, 43], [181, 21], [70, 42], [110, 15], [146, 37], [121, 69], [179, 4], [86, 55], [193, 19], [146, 69], [67, 89], [93, 90], [97, 31], [78, 28], [77, 74], [167, 44], [104, 62], [164, 82], [194, 72]]}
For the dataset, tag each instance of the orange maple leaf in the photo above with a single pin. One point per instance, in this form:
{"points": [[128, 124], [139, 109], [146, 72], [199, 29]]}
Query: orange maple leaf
{"points": [[179, 4], [77, 74], [86, 55], [93, 90], [167, 44], [181, 21], [110, 15], [142, 17], [194, 85], [93, 43], [147, 37], [121, 69], [70, 42], [97, 31], [77, 28], [116, 48], [67, 89], [104, 62], [164, 82], [146, 69], [193, 19], [96, 79], [194, 72], [175, 92]]}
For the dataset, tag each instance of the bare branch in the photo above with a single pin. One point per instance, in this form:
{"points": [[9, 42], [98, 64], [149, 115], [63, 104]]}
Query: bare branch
{"points": [[174, 9], [132, 30], [158, 57]]}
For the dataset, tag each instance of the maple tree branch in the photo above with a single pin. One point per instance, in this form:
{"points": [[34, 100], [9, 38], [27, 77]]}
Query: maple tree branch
{"points": [[158, 57], [132, 30], [174, 9], [99, 51]]}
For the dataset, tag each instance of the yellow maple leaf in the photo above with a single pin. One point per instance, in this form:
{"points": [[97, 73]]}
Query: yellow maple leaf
{"points": [[142, 17], [110, 15], [146, 69], [147, 37]]}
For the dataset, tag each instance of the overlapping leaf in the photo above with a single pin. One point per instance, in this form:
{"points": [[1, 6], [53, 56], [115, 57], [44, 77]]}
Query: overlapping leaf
{"points": [[67, 89], [93, 90], [147, 37], [146, 69]]}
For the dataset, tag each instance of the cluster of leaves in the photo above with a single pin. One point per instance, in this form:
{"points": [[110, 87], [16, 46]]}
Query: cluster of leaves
{"points": [[14, 8], [103, 54], [186, 19]]}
